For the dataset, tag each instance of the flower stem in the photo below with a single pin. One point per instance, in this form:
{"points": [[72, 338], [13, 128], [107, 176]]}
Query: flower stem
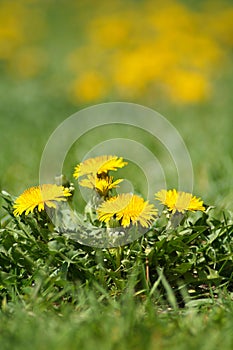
{"points": [[118, 258]]}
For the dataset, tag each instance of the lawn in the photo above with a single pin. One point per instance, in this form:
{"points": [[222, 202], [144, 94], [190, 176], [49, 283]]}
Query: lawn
{"points": [[171, 287]]}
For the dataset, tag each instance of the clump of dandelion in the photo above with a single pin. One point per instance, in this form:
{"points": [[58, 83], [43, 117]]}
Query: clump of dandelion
{"points": [[101, 185], [127, 208], [99, 166], [95, 173], [40, 197], [177, 201]]}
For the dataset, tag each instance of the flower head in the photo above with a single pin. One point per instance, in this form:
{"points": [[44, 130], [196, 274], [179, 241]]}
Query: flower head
{"points": [[101, 185], [179, 201], [127, 208], [40, 196], [98, 166]]}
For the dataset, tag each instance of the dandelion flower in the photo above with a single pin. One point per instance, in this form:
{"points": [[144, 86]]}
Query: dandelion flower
{"points": [[179, 201], [98, 166], [127, 208], [40, 196], [101, 185]]}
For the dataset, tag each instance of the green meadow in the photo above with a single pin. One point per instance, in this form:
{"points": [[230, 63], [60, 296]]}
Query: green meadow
{"points": [[172, 287]]}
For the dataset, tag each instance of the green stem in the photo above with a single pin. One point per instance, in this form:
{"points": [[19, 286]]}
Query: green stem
{"points": [[118, 258]]}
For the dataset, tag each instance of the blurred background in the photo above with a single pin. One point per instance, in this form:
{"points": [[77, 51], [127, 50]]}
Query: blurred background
{"points": [[57, 57]]}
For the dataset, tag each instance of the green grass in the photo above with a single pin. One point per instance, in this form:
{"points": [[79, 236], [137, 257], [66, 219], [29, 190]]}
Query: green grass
{"points": [[96, 322]]}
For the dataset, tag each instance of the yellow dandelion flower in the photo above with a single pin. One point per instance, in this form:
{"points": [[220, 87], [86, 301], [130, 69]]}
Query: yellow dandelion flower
{"points": [[101, 185], [179, 201], [40, 196], [127, 208], [89, 86], [99, 165]]}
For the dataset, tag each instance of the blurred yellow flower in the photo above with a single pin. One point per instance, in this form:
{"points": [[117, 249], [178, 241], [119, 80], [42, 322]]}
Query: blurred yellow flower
{"points": [[11, 29], [101, 185], [179, 201], [40, 196], [187, 86], [21, 26], [127, 208], [218, 21], [89, 86], [98, 166], [112, 30]]}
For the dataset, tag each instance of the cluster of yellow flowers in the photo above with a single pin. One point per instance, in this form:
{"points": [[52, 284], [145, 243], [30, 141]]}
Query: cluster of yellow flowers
{"points": [[141, 50], [125, 208], [152, 49]]}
